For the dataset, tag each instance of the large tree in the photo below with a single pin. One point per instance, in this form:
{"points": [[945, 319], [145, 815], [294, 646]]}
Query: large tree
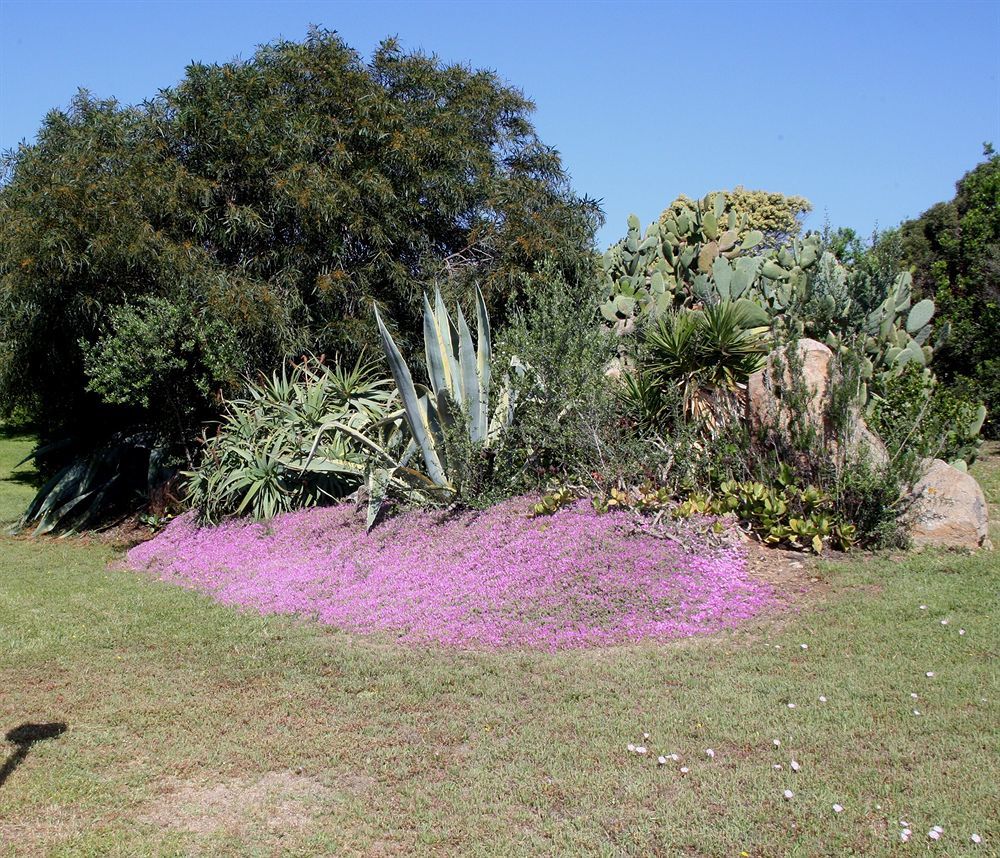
{"points": [[151, 256]]}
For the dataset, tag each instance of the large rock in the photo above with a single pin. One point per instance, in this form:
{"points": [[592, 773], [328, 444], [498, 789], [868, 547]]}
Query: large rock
{"points": [[767, 402], [948, 509]]}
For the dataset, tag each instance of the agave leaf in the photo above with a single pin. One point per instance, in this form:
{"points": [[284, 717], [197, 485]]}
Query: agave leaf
{"points": [[449, 344], [415, 416], [484, 358], [471, 397], [438, 367]]}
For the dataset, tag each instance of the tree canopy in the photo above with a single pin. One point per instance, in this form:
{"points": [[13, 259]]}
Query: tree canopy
{"points": [[954, 251], [153, 255]]}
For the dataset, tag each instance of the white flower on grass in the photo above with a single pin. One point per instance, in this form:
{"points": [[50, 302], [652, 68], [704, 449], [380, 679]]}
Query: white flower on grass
{"points": [[929, 674], [631, 747], [913, 694], [645, 736], [923, 607], [640, 749], [673, 757], [789, 794], [934, 835], [944, 622], [777, 743], [822, 699], [938, 829], [838, 808], [916, 711], [710, 753], [791, 705], [776, 767], [961, 631], [904, 835], [661, 761], [795, 765], [904, 824], [804, 646], [684, 770], [976, 838]]}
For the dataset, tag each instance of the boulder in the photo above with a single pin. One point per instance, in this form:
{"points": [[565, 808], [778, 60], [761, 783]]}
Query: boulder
{"points": [[766, 409], [948, 509]]}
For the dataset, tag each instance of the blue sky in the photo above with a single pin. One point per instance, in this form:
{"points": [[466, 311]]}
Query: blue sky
{"points": [[872, 110]]}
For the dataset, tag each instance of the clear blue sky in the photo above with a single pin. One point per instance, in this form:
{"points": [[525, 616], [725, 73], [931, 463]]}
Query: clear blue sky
{"points": [[872, 110]]}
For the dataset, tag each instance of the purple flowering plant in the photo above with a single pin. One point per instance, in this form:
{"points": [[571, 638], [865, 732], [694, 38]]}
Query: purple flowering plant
{"points": [[483, 580]]}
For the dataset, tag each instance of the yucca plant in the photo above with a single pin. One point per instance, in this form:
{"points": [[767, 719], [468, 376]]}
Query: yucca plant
{"points": [[299, 438], [706, 354]]}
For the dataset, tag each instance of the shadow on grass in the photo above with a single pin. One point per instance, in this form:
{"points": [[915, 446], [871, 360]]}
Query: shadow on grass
{"points": [[23, 738]]}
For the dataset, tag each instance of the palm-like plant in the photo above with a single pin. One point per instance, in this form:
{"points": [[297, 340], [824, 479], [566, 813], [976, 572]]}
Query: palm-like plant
{"points": [[706, 355]]}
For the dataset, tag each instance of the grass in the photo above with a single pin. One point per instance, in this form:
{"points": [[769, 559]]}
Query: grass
{"points": [[195, 729]]}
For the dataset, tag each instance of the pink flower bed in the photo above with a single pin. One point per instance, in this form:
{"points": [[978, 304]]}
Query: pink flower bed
{"points": [[480, 580]]}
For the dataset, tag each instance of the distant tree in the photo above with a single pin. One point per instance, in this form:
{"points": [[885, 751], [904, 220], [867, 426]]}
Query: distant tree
{"points": [[777, 215], [954, 250], [150, 256]]}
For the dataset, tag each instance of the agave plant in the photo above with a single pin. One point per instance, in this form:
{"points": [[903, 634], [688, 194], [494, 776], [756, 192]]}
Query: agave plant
{"points": [[460, 375], [94, 485]]}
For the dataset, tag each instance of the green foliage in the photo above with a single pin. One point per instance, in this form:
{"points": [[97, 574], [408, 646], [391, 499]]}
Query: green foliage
{"points": [[783, 514], [927, 418], [256, 210], [569, 424], [954, 250], [296, 439]]}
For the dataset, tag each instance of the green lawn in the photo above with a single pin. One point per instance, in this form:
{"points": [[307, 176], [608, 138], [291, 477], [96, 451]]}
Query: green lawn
{"points": [[194, 729]]}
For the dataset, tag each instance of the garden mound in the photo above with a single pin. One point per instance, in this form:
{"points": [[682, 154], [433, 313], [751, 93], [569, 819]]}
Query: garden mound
{"points": [[482, 580]]}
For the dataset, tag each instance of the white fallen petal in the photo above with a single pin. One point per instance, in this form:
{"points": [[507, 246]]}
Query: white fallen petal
{"points": [[822, 699], [929, 674], [789, 794], [684, 770], [938, 829], [661, 761], [710, 753], [904, 835], [630, 746], [961, 631], [904, 824], [934, 835], [804, 646], [673, 757], [837, 808], [645, 736], [916, 711], [923, 607], [639, 749], [976, 838], [795, 765], [791, 705], [913, 694], [777, 743], [944, 622], [777, 766]]}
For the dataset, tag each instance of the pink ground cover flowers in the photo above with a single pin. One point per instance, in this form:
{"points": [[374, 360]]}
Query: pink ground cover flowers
{"points": [[484, 580]]}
